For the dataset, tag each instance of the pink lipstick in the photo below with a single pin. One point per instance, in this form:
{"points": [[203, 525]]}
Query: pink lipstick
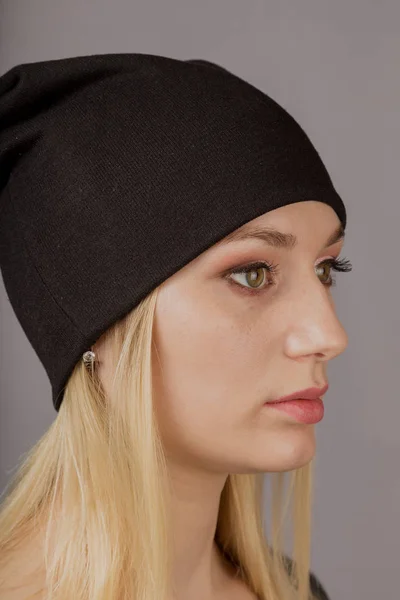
{"points": [[306, 406]]}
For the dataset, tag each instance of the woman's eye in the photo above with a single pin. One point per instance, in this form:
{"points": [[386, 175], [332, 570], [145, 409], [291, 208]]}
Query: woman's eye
{"points": [[253, 276], [342, 265], [257, 276], [324, 270]]}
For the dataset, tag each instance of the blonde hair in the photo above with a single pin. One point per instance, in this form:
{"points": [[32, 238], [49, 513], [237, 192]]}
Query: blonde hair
{"points": [[98, 481]]}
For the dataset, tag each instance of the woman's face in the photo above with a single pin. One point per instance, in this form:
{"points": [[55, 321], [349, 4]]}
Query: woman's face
{"points": [[225, 344]]}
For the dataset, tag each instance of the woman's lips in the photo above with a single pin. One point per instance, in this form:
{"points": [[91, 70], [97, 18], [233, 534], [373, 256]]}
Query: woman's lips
{"points": [[303, 410], [312, 393]]}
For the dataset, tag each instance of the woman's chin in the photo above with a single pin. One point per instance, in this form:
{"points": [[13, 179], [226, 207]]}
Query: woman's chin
{"points": [[282, 451], [292, 450]]}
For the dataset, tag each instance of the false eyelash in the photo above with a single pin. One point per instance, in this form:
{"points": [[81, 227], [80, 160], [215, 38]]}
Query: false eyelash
{"points": [[338, 264]]}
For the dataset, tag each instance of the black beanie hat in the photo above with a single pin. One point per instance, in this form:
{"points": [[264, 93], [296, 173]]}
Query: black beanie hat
{"points": [[118, 169]]}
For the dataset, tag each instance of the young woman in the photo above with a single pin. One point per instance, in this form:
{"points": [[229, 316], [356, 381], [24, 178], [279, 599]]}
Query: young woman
{"points": [[168, 236]]}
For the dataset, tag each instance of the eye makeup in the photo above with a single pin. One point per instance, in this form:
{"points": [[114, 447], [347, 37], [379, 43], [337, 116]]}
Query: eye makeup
{"points": [[273, 269]]}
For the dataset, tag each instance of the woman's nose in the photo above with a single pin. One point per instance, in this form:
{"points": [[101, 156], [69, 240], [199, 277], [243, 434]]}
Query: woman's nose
{"points": [[316, 328]]}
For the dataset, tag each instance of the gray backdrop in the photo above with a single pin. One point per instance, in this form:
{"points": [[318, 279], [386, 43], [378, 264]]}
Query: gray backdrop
{"points": [[335, 67]]}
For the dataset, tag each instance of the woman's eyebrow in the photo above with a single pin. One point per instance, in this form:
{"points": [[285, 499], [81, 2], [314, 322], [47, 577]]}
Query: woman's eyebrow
{"points": [[275, 238]]}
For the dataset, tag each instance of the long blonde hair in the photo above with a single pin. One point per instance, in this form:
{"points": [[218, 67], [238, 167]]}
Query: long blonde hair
{"points": [[98, 481]]}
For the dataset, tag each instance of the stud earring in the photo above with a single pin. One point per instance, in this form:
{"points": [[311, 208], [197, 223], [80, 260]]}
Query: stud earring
{"points": [[89, 358]]}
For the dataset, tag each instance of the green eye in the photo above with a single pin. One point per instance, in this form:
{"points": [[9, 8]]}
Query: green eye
{"points": [[325, 267], [335, 264], [254, 275]]}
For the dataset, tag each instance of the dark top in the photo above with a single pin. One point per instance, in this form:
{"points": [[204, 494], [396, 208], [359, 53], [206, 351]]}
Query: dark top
{"points": [[316, 586], [317, 589]]}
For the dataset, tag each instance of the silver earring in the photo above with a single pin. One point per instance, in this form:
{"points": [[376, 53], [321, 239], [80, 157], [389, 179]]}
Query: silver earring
{"points": [[89, 358]]}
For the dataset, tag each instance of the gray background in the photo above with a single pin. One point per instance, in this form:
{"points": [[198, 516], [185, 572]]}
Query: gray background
{"points": [[335, 67]]}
